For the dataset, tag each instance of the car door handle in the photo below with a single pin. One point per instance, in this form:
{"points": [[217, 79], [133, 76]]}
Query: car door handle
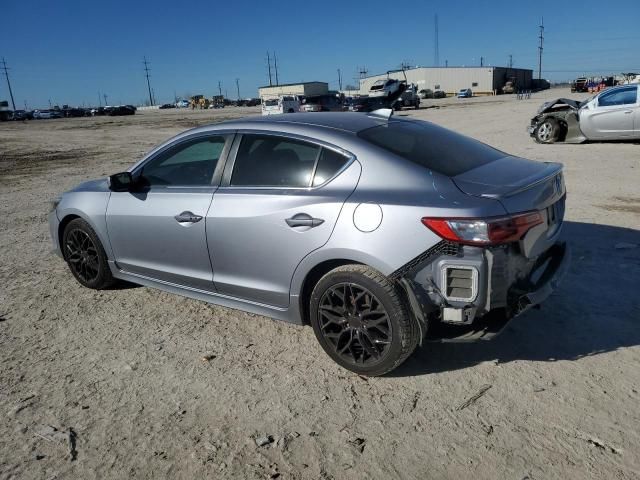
{"points": [[303, 220], [628, 111], [188, 217]]}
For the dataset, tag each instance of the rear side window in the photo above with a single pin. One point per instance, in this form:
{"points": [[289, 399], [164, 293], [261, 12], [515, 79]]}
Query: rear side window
{"points": [[270, 161], [431, 146], [329, 164]]}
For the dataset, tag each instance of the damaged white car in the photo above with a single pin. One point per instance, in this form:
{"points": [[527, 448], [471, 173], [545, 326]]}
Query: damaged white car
{"points": [[613, 114]]}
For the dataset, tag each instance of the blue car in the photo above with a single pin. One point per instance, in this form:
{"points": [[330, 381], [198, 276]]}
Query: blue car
{"points": [[465, 93]]}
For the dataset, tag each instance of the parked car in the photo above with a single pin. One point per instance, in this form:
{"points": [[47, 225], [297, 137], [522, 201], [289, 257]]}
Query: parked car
{"points": [[23, 115], [46, 114], [377, 231], [279, 105], [439, 94], [182, 104], [166, 106], [426, 93], [465, 93], [321, 103], [613, 114], [120, 110], [369, 104]]}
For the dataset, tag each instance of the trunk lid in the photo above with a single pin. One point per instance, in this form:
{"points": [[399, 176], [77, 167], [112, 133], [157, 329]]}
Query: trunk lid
{"points": [[522, 185], [519, 184]]}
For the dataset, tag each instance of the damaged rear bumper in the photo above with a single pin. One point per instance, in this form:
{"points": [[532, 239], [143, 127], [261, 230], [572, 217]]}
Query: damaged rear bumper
{"points": [[504, 285]]}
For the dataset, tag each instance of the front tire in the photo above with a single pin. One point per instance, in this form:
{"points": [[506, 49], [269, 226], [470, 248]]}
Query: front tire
{"points": [[361, 321], [85, 255], [548, 131]]}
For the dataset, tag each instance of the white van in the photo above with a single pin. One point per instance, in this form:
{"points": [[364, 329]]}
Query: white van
{"points": [[283, 104]]}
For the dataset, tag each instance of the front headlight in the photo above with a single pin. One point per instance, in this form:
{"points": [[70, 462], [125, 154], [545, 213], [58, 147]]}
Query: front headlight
{"points": [[53, 204]]}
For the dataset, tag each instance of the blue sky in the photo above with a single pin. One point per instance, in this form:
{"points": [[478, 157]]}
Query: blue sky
{"points": [[67, 51]]}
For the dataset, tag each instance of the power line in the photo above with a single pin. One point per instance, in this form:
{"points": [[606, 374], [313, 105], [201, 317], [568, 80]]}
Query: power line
{"points": [[275, 66], [146, 72], [6, 74], [436, 47], [269, 67], [541, 37]]}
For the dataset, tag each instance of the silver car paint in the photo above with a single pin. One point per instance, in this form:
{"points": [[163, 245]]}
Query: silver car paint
{"points": [[615, 122], [399, 238]]}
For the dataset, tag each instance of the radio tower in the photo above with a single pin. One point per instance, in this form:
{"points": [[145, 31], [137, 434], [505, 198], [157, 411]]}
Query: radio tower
{"points": [[541, 37], [436, 47]]}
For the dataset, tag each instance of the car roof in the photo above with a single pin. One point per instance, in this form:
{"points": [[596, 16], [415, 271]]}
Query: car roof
{"points": [[349, 122]]}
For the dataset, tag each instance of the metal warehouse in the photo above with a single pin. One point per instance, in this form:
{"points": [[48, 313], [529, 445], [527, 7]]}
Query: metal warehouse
{"points": [[304, 89], [481, 80]]}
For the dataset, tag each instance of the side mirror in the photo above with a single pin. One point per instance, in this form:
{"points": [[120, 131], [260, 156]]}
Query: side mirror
{"points": [[121, 182]]}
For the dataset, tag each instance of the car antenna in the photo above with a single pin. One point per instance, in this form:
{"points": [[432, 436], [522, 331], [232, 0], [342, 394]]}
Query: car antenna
{"points": [[383, 113]]}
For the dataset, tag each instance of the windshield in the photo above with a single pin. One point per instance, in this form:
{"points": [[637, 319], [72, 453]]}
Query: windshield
{"points": [[270, 103], [431, 146]]}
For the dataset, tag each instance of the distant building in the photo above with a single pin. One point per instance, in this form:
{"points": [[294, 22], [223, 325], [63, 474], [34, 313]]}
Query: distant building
{"points": [[481, 80], [304, 89]]}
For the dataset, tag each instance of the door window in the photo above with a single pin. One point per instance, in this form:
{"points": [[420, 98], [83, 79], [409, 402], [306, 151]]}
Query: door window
{"points": [[191, 163], [623, 96], [266, 161]]}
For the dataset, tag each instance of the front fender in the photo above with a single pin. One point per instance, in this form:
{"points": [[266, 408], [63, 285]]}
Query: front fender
{"points": [[92, 208]]}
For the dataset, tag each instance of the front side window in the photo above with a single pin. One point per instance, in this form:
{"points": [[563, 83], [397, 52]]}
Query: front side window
{"points": [[623, 96], [190, 163], [271, 161]]}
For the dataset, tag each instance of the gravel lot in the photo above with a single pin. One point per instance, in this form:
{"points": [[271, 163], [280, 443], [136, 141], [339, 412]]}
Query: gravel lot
{"points": [[113, 384]]}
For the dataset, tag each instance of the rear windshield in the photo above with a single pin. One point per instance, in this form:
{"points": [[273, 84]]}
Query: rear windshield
{"points": [[270, 103], [431, 146]]}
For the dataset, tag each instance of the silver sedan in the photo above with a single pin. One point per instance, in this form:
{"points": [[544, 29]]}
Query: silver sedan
{"points": [[613, 114], [379, 233]]}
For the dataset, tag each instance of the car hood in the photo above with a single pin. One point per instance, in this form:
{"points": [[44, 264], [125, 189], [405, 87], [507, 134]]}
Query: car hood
{"points": [[548, 106], [99, 185]]}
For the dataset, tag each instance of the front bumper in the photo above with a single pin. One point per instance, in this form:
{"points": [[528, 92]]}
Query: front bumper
{"points": [[54, 224]]}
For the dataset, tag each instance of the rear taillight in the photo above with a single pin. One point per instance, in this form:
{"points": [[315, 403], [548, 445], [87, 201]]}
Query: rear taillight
{"points": [[484, 231]]}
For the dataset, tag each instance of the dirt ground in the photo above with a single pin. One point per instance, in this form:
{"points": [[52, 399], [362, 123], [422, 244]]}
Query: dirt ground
{"points": [[112, 384]]}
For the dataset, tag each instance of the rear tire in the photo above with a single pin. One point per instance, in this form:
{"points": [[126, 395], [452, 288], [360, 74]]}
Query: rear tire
{"points": [[548, 131], [361, 320], [85, 255]]}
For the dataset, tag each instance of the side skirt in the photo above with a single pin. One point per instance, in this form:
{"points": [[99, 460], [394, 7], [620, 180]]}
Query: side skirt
{"points": [[285, 314]]}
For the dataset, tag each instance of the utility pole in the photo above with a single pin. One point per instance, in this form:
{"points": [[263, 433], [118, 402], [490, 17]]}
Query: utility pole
{"points": [[25, 105], [339, 80], [275, 66], [541, 37], [269, 67], [510, 61], [220, 87], [99, 99], [146, 73], [238, 87], [446, 63], [105, 100], [436, 47], [6, 74], [482, 61]]}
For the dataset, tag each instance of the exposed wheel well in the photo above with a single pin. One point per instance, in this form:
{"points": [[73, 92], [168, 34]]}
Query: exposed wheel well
{"points": [[312, 279], [63, 224]]}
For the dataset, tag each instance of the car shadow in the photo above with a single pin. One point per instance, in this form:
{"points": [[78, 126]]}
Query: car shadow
{"points": [[595, 310]]}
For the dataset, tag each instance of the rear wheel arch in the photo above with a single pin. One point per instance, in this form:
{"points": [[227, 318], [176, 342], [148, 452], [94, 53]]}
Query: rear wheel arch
{"points": [[311, 280]]}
